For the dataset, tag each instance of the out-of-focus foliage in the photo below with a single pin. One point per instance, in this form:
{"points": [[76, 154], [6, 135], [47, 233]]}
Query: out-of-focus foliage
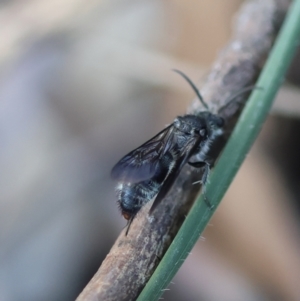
{"points": [[81, 84]]}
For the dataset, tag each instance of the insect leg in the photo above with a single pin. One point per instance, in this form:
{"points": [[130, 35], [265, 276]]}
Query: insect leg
{"points": [[205, 174], [197, 164], [128, 224], [206, 166], [203, 181]]}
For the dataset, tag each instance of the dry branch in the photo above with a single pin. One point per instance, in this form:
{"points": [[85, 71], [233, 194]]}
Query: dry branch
{"points": [[133, 258]]}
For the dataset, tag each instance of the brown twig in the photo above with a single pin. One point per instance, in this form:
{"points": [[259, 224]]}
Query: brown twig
{"points": [[133, 258]]}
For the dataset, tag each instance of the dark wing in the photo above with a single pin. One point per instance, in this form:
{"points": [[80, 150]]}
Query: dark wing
{"points": [[142, 163], [186, 153]]}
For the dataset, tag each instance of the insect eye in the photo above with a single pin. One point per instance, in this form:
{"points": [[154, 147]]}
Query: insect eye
{"points": [[202, 132]]}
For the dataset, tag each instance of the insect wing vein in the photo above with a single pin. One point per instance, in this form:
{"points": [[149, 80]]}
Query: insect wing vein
{"points": [[180, 162], [142, 163]]}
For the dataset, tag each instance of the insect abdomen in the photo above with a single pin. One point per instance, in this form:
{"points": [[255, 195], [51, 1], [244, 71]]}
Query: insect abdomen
{"points": [[131, 197]]}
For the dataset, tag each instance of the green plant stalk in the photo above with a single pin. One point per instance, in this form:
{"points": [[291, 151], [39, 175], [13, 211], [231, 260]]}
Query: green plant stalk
{"points": [[239, 144]]}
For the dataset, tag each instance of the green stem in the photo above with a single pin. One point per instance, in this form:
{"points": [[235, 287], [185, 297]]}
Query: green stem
{"points": [[243, 136]]}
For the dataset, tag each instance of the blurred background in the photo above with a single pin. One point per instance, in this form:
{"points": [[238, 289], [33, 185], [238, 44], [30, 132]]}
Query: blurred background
{"points": [[84, 82]]}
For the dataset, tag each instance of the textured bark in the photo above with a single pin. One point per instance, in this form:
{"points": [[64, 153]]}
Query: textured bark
{"points": [[133, 258]]}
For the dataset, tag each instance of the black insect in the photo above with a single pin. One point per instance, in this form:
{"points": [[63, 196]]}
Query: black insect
{"points": [[149, 171]]}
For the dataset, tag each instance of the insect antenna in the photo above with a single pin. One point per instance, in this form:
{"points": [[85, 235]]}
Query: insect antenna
{"points": [[229, 101], [193, 87]]}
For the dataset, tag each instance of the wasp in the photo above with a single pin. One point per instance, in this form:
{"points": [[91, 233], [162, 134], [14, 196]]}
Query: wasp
{"points": [[149, 171]]}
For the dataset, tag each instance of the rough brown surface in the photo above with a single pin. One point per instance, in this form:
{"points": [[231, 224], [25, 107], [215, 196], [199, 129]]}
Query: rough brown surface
{"points": [[133, 258]]}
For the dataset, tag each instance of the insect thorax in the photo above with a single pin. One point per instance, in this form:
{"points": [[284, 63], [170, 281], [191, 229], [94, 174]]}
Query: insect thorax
{"points": [[189, 124]]}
